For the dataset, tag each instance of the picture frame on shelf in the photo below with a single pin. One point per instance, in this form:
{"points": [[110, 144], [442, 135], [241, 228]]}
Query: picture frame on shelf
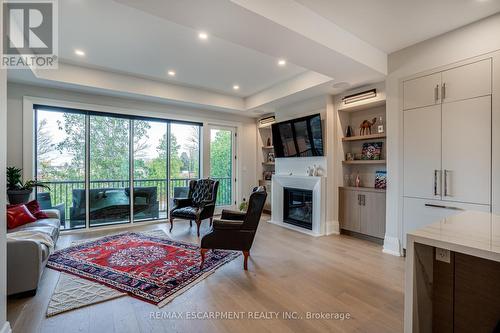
{"points": [[381, 179], [371, 151]]}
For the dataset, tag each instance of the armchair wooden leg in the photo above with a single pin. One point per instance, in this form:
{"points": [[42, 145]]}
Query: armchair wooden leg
{"points": [[190, 223], [246, 254], [198, 223], [202, 252], [171, 223], [211, 221]]}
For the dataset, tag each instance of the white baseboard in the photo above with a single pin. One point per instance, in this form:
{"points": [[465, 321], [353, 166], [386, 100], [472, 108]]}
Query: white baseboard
{"points": [[332, 228], [6, 328], [392, 246]]}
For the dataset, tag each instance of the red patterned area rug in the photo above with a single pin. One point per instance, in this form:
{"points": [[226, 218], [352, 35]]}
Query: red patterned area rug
{"points": [[153, 269]]}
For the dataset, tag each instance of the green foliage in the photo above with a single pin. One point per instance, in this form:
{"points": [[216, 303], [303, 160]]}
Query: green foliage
{"points": [[14, 182], [221, 155]]}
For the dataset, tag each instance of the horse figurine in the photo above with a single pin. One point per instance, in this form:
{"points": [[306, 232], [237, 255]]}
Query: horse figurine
{"points": [[366, 126]]}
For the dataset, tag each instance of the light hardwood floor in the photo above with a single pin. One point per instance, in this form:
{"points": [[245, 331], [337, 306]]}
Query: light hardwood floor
{"points": [[288, 271]]}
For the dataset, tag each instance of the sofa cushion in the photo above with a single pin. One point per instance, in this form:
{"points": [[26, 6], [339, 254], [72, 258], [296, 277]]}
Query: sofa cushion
{"points": [[18, 216], [48, 226]]}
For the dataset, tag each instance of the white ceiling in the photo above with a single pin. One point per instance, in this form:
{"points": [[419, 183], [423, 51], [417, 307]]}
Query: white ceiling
{"points": [[391, 25], [119, 38]]}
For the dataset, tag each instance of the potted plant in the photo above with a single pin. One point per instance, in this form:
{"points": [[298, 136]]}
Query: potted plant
{"points": [[18, 192]]}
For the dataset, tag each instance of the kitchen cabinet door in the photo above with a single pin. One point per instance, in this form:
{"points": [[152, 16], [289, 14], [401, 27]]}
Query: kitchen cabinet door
{"points": [[422, 152], [468, 81], [349, 210], [372, 214], [466, 151], [422, 91]]}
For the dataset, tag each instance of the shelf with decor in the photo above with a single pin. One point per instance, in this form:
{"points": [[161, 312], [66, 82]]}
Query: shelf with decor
{"points": [[362, 115], [364, 162], [266, 158], [364, 137]]}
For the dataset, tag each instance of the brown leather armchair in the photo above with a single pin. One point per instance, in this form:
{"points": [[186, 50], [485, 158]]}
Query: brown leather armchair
{"points": [[199, 205], [236, 230]]}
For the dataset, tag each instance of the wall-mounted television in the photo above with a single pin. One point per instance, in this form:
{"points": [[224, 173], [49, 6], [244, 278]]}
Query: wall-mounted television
{"points": [[301, 137]]}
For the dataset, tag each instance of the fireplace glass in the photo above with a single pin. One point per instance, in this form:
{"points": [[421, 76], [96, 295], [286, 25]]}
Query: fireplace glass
{"points": [[298, 207]]}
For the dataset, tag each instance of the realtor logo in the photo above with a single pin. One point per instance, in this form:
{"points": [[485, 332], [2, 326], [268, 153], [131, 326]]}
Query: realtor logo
{"points": [[29, 34]]}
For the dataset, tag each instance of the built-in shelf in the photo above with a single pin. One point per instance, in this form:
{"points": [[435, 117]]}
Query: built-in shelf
{"points": [[364, 162], [267, 163], [364, 137], [366, 189], [268, 147], [362, 106]]}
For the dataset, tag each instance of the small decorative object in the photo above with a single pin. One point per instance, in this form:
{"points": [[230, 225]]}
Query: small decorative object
{"points": [[244, 205], [318, 171], [380, 127], [309, 171], [267, 175], [366, 126], [270, 157], [371, 151], [381, 180], [18, 192], [358, 156], [357, 182], [268, 142], [349, 157], [349, 132]]}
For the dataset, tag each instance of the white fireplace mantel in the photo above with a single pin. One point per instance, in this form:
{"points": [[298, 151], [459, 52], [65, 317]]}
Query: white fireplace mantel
{"points": [[314, 184]]}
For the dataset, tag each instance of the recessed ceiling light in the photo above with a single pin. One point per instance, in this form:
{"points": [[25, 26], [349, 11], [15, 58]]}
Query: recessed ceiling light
{"points": [[171, 73], [203, 35], [282, 62], [79, 53], [236, 87]]}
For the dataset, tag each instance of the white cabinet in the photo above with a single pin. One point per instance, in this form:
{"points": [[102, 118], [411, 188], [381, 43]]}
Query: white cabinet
{"points": [[466, 151], [421, 212], [467, 81], [447, 144], [422, 152], [422, 91]]}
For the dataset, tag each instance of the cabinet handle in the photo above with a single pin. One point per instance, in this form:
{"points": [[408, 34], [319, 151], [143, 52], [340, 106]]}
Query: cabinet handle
{"points": [[436, 182], [443, 91], [443, 207], [436, 93], [359, 199], [446, 192], [363, 201]]}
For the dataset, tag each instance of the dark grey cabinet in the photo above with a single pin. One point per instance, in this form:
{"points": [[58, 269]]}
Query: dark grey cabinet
{"points": [[362, 211]]}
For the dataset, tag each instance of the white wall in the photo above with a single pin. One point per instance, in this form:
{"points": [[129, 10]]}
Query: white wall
{"points": [[4, 325], [475, 39], [246, 136]]}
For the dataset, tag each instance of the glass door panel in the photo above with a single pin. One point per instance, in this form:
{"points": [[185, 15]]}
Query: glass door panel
{"points": [[150, 170], [221, 163], [109, 194], [60, 164], [184, 157]]}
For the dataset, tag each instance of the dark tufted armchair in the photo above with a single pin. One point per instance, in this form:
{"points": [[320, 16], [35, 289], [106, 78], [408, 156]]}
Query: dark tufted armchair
{"points": [[199, 205], [236, 230]]}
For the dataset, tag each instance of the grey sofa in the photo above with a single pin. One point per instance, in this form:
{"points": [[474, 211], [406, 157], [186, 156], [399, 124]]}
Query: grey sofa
{"points": [[26, 259]]}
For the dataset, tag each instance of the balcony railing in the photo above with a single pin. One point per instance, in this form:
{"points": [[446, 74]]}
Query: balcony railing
{"points": [[61, 192]]}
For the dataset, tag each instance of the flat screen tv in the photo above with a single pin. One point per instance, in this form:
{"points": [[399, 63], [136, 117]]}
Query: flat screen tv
{"points": [[301, 137]]}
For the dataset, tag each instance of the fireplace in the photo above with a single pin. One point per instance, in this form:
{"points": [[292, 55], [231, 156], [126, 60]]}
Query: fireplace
{"points": [[298, 207]]}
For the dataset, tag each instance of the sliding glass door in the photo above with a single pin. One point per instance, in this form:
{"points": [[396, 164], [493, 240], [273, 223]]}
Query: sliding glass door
{"points": [[90, 161], [222, 142], [109, 171], [150, 170]]}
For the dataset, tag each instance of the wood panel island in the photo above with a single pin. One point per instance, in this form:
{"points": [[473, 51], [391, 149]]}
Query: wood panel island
{"points": [[452, 278]]}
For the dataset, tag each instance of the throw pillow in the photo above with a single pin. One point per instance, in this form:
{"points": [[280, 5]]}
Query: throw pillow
{"points": [[34, 208], [18, 216]]}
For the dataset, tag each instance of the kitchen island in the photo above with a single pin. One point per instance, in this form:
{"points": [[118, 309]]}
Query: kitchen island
{"points": [[452, 278]]}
